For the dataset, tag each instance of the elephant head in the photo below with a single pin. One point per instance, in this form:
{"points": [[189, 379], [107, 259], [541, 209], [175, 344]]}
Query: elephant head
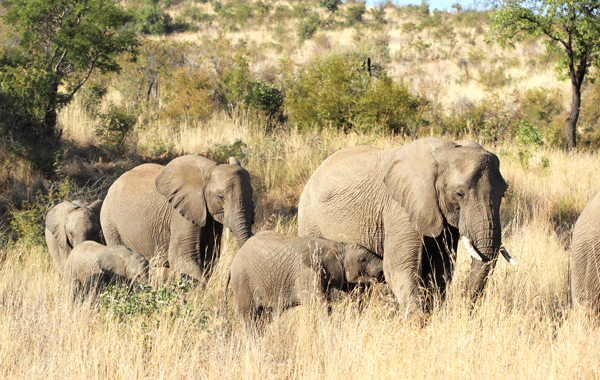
{"points": [[343, 264], [69, 224], [121, 262], [196, 186], [440, 182]]}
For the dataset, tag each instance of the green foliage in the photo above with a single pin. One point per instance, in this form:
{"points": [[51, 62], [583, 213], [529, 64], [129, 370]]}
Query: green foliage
{"points": [[541, 105], [494, 78], [529, 139], [61, 43], [27, 221], [115, 125], [331, 5], [308, 27], [336, 91], [124, 304], [265, 98], [221, 152], [354, 14], [188, 96], [150, 19], [572, 30]]}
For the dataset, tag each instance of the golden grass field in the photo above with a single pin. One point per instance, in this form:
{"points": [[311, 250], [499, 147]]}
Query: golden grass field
{"points": [[523, 327]]}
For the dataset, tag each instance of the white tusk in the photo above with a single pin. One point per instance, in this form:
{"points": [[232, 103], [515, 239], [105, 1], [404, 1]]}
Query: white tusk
{"points": [[471, 249], [227, 233], [252, 232], [507, 256]]}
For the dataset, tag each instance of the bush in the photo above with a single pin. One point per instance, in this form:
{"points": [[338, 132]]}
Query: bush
{"points": [[308, 27], [354, 14], [336, 91], [115, 125], [266, 99], [541, 105], [189, 96]]}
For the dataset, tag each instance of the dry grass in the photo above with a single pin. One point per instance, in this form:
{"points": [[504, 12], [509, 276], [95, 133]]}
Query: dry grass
{"points": [[523, 328]]}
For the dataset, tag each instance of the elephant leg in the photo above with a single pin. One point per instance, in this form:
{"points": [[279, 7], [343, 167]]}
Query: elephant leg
{"points": [[184, 252], [402, 262]]}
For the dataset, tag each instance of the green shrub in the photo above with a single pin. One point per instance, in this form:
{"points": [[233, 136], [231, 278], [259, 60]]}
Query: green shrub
{"points": [[331, 5], [354, 14], [221, 152], [124, 304], [189, 96], [541, 105], [115, 125], [308, 27], [336, 91], [529, 139], [266, 99]]}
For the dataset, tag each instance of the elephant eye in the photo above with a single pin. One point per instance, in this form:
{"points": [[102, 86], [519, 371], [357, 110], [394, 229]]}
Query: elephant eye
{"points": [[459, 194]]}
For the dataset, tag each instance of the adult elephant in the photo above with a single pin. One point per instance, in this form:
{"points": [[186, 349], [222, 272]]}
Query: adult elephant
{"points": [[180, 209], [69, 224], [584, 266], [410, 205]]}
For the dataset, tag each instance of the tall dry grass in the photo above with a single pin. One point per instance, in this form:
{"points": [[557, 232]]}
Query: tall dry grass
{"points": [[523, 328]]}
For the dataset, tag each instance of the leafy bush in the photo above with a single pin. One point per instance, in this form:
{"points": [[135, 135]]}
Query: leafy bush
{"points": [[115, 125], [541, 105], [331, 5], [354, 14], [220, 153], [267, 99], [529, 139], [336, 91], [308, 27], [146, 302], [189, 96]]}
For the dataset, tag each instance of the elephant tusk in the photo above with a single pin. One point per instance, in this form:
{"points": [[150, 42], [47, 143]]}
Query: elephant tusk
{"points": [[471, 249], [507, 256]]}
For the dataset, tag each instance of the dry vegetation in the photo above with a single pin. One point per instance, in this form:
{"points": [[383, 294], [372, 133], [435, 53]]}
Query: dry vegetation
{"points": [[523, 327]]}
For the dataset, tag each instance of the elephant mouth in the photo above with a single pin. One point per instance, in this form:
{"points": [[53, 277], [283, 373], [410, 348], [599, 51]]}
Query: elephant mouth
{"points": [[477, 256]]}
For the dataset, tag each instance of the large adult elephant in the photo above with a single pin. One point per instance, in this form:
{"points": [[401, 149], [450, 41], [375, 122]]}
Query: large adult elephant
{"points": [[69, 224], [411, 205], [585, 256], [180, 209]]}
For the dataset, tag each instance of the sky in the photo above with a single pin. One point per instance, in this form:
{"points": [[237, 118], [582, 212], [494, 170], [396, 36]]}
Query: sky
{"points": [[433, 4]]}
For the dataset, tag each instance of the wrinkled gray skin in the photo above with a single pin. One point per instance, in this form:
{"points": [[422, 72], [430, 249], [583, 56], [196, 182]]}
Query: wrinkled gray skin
{"points": [[180, 209], [92, 266], [273, 272], [584, 266], [410, 205], [69, 224]]}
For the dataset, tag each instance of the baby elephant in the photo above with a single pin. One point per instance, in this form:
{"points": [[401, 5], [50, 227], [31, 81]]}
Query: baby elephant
{"points": [[68, 224], [273, 272], [92, 266]]}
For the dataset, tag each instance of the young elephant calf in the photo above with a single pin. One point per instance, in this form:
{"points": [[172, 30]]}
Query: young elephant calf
{"points": [[92, 266], [273, 272]]}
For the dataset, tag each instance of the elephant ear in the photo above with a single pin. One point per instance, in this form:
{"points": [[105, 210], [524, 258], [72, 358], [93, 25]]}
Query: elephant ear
{"points": [[411, 181], [113, 264], [182, 183], [323, 258], [55, 222], [96, 206], [233, 161]]}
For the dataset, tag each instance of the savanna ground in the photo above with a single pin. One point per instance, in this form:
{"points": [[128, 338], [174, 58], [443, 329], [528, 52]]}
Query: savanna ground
{"points": [[523, 327]]}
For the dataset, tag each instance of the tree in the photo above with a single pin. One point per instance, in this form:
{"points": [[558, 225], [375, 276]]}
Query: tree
{"points": [[331, 5], [61, 43], [572, 29]]}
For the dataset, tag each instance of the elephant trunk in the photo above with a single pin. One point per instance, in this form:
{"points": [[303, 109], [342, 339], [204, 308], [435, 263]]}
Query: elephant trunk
{"points": [[240, 223], [484, 244]]}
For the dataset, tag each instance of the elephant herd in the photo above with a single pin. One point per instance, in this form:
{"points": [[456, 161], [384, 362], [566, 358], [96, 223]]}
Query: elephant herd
{"points": [[365, 215]]}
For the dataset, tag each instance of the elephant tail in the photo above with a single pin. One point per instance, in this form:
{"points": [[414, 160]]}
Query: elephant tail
{"points": [[227, 285]]}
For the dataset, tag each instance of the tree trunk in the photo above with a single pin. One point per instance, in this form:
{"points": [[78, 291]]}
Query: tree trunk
{"points": [[571, 129]]}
